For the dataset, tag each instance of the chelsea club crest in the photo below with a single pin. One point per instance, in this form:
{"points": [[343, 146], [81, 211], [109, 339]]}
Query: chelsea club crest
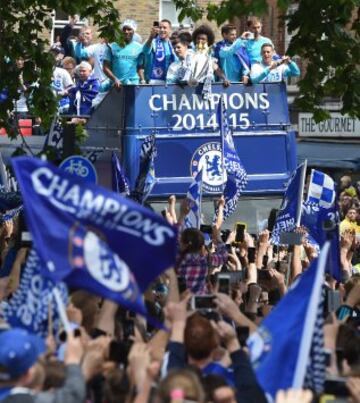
{"points": [[90, 253], [208, 157]]}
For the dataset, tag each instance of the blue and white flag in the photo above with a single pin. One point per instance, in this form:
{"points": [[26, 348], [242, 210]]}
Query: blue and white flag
{"points": [[11, 214], [235, 172], [64, 213], [194, 195], [55, 137], [29, 306], [321, 189], [145, 180], [288, 345], [290, 209], [322, 225], [120, 183]]}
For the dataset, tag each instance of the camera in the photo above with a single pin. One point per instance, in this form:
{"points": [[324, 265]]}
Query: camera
{"points": [[223, 280], [203, 302]]}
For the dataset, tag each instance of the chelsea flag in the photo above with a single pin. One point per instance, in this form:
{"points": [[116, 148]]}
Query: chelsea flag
{"points": [[288, 345], [73, 222]]}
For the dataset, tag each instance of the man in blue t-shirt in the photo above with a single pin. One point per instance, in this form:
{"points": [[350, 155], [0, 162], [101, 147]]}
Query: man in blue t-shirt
{"points": [[230, 55], [253, 40], [123, 65]]}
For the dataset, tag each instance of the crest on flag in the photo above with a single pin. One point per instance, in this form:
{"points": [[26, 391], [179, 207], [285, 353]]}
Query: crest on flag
{"points": [[208, 158]]}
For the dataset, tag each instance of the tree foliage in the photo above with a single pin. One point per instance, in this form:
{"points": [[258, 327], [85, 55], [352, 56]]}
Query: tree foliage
{"points": [[325, 35], [24, 32]]}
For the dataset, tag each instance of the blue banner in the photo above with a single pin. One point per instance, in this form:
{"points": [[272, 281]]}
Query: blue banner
{"points": [[289, 340], [289, 209], [56, 204], [120, 183], [234, 170], [29, 307], [193, 219], [146, 178]]}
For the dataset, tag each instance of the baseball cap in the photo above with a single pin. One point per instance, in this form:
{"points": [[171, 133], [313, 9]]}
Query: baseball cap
{"points": [[19, 350]]}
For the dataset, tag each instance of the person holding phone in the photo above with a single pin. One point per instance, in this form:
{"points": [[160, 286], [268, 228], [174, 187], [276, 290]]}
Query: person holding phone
{"points": [[158, 52], [194, 261]]}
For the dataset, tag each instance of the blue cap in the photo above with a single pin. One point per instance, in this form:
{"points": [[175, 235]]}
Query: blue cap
{"points": [[19, 350]]}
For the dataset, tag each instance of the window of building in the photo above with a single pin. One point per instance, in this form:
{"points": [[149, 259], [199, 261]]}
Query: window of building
{"points": [[169, 12], [60, 19]]}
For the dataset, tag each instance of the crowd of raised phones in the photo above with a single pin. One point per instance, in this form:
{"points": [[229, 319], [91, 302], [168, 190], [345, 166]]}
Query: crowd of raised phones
{"points": [[223, 285]]}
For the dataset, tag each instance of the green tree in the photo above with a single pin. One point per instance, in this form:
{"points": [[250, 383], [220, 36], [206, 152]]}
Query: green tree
{"points": [[24, 32], [325, 35]]}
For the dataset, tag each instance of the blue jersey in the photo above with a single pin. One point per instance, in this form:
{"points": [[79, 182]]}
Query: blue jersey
{"points": [[253, 48], [125, 61], [229, 60]]}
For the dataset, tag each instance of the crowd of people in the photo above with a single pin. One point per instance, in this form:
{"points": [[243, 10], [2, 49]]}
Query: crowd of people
{"points": [[218, 293], [85, 70], [222, 286]]}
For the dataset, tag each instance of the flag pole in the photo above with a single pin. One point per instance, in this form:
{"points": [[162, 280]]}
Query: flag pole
{"points": [[222, 138], [301, 193], [62, 310]]}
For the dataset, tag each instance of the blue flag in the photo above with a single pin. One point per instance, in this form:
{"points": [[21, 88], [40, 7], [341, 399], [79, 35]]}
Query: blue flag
{"points": [[145, 180], [59, 207], [290, 208], [235, 172], [321, 189], [10, 200], [193, 219], [29, 306], [120, 183], [288, 345], [321, 218]]}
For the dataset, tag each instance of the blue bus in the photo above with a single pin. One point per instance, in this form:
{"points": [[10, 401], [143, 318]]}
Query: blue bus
{"points": [[187, 134]]}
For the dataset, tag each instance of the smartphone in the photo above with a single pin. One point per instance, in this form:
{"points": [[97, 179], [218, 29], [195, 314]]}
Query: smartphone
{"points": [[263, 275], [272, 218], [251, 254], [240, 228], [332, 301], [156, 24], [290, 238], [236, 276], [228, 247], [265, 261], [223, 280], [181, 284], [203, 302], [206, 229], [26, 240], [242, 334], [128, 329], [336, 386], [118, 352]]}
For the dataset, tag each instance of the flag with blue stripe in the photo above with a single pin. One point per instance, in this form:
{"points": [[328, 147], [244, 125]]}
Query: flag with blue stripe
{"points": [[29, 306], [87, 235], [236, 176], [290, 208], [288, 345], [146, 179], [321, 189], [120, 183], [194, 195]]}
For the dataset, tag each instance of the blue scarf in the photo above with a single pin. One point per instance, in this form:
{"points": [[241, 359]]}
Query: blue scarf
{"points": [[159, 65]]}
